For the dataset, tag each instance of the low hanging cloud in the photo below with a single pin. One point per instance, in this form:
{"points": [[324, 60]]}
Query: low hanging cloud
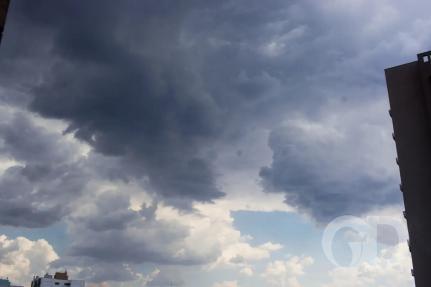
{"points": [[139, 236], [152, 234], [334, 166], [37, 190]]}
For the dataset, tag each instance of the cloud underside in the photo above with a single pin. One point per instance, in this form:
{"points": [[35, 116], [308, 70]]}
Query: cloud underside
{"points": [[327, 169], [161, 86]]}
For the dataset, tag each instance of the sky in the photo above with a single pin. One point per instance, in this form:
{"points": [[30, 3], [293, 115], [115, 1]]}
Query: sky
{"points": [[204, 143]]}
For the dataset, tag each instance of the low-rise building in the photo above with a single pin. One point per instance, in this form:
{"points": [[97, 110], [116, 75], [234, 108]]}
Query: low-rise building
{"points": [[60, 279], [4, 282]]}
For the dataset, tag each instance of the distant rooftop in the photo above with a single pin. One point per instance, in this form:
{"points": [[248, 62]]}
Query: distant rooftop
{"points": [[61, 275], [59, 279]]}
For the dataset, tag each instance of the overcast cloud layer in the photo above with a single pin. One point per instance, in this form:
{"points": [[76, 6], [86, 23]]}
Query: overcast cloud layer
{"points": [[121, 120], [159, 84]]}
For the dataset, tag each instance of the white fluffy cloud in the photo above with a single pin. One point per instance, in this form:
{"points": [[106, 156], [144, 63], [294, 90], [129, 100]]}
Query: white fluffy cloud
{"points": [[391, 268], [21, 258], [146, 232], [285, 273]]}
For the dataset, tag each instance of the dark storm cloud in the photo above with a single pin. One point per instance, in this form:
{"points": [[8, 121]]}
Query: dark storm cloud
{"points": [[327, 169], [38, 191], [125, 86], [156, 87], [116, 214], [158, 84]]}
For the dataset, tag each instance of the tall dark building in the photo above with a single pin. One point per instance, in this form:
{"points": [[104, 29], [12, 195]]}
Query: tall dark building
{"points": [[4, 5], [409, 88]]}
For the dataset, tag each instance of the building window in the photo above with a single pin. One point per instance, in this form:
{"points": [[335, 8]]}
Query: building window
{"points": [[56, 283], [67, 284]]}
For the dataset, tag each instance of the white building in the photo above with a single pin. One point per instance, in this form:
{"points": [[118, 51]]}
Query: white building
{"points": [[60, 279]]}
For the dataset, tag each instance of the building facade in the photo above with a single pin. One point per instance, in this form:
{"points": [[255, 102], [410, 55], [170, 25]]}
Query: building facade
{"points": [[60, 279], [4, 5], [409, 88]]}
